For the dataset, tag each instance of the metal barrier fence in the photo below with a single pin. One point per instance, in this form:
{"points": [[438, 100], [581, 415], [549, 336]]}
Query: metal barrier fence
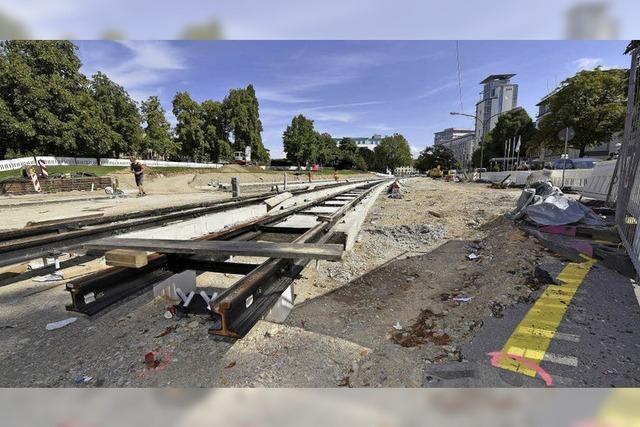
{"points": [[628, 203], [87, 161]]}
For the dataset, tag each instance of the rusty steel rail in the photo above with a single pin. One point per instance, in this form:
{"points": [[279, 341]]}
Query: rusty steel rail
{"points": [[239, 307], [92, 294], [35, 242]]}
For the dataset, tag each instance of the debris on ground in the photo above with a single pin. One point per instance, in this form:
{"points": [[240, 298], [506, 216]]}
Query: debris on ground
{"points": [[83, 379], [543, 204], [60, 324], [422, 330]]}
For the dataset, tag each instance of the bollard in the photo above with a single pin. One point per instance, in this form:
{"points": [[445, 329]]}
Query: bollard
{"points": [[235, 187], [285, 182]]}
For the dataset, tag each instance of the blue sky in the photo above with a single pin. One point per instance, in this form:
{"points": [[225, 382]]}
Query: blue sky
{"points": [[349, 88]]}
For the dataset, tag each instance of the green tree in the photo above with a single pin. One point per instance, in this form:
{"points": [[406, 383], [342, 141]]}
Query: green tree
{"points": [[348, 155], [120, 113], [512, 124], [190, 128], [328, 153], [214, 129], [392, 152], [157, 130], [368, 156], [90, 133], [243, 122], [41, 89], [432, 157], [300, 141], [593, 103]]}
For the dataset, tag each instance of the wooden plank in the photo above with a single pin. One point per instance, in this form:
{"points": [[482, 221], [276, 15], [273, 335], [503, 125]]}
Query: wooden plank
{"points": [[224, 248], [126, 258], [276, 200]]}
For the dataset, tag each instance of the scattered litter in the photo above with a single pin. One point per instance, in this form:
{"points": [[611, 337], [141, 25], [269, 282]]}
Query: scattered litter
{"points": [[473, 256], [167, 331], [61, 323], [168, 315], [230, 365], [53, 277], [83, 379], [397, 326], [462, 299], [496, 309], [152, 360]]}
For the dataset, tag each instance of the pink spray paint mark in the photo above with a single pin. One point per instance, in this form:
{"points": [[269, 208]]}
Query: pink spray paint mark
{"points": [[497, 356], [583, 247]]}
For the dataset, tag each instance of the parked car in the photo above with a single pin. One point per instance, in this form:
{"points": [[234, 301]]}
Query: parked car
{"points": [[579, 163]]}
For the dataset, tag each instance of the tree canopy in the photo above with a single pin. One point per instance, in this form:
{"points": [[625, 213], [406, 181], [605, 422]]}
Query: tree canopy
{"points": [[513, 124], [432, 157], [300, 141], [392, 152], [47, 106], [592, 103], [157, 130], [243, 121]]}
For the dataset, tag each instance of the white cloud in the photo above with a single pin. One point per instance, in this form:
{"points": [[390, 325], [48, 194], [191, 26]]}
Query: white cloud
{"points": [[437, 89], [332, 116], [587, 63], [155, 55], [148, 64], [281, 96]]}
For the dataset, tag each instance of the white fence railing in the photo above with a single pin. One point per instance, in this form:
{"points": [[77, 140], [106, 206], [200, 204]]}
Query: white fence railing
{"points": [[87, 161], [591, 183]]}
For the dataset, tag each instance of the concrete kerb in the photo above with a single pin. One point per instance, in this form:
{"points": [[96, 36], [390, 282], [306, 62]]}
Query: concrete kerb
{"points": [[352, 222]]}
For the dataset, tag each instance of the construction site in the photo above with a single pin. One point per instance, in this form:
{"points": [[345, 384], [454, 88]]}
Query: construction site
{"points": [[369, 281], [223, 268]]}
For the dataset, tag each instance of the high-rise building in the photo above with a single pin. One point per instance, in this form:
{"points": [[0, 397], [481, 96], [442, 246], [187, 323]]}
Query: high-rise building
{"points": [[449, 134], [498, 96]]}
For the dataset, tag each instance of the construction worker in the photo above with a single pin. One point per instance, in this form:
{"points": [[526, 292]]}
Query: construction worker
{"points": [[137, 169]]}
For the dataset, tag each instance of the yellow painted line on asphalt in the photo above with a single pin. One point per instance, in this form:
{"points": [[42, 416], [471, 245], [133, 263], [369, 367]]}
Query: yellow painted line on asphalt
{"points": [[532, 337]]}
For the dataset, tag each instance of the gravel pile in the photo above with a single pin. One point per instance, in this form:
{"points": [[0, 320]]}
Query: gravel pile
{"points": [[407, 236]]}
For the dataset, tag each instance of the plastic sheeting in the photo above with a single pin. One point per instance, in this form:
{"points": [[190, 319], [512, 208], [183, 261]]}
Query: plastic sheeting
{"points": [[543, 204]]}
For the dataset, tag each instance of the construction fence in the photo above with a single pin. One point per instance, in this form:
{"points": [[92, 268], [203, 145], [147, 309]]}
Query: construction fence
{"points": [[628, 203], [88, 161]]}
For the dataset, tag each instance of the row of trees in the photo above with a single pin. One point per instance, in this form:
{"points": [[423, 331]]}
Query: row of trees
{"points": [[592, 103], [48, 106], [304, 145]]}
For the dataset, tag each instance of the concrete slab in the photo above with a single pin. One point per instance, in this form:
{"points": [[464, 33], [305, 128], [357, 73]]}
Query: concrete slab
{"points": [[302, 221], [352, 222], [322, 209]]}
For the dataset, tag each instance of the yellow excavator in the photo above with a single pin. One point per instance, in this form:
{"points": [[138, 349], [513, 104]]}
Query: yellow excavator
{"points": [[436, 172]]}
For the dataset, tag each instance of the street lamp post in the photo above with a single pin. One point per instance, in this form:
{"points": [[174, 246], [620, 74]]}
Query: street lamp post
{"points": [[483, 122]]}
